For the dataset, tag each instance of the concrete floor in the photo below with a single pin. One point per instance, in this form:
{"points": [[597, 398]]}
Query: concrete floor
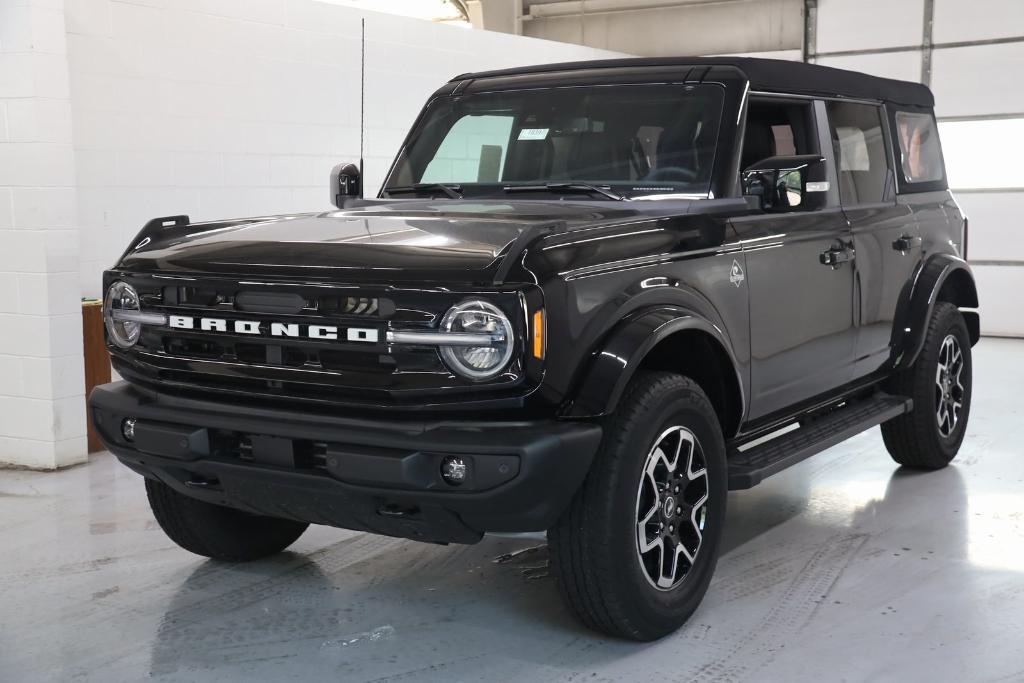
{"points": [[842, 568]]}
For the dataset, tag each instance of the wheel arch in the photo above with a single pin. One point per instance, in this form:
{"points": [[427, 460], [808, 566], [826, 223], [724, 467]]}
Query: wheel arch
{"points": [[943, 277], [670, 339]]}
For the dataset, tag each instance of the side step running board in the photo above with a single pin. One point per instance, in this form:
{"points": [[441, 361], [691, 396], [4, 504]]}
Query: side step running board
{"points": [[747, 468]]}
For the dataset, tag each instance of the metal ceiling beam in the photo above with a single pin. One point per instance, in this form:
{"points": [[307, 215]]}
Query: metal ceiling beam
{"points": [[810, 30], [567, 8], [926, 42]]}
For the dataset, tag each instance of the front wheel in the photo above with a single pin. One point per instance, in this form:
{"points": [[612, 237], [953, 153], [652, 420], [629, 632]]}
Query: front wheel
{"points": [[939, 381], [635, 551], [218, 532]]}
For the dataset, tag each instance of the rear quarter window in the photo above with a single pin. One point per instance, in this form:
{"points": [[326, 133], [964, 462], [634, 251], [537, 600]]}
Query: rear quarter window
{"points": [[920, 154]]}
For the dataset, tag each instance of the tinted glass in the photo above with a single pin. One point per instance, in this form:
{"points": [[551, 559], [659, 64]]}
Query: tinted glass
{"points": [[639, 140], [473, 150], [920, 157], [778, 129], [859, 148]]}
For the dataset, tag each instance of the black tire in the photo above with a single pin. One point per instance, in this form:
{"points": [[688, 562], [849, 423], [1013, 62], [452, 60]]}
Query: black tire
{"points": [[595, 546], [218, 532], [916, 439]]}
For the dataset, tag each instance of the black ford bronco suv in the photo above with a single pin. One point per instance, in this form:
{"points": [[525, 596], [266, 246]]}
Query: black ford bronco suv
{"points": [[589, 299]]}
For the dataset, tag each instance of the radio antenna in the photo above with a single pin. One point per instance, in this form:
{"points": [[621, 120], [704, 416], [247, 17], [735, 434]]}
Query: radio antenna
{"points": [[362, 99]]}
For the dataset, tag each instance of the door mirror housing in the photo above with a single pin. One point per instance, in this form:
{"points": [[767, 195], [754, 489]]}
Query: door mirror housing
{"points": [[787, 183], [346, 183]]}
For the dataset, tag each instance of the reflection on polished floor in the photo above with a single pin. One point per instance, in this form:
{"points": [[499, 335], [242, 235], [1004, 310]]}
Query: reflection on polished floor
{"points": [[842, 568]]}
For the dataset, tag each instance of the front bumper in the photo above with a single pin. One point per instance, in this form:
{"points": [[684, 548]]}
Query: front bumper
{"points": [[381, 476]]}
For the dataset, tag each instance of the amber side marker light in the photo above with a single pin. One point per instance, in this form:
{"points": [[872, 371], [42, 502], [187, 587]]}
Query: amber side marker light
{"points": [[538, 334]]}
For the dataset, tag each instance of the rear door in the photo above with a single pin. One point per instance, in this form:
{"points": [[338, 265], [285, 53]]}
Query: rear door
{"points": [[886, 237], [801, 311]]}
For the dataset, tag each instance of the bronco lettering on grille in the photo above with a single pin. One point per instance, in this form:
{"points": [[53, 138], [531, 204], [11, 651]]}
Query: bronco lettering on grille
{"points": [[273, 329]]}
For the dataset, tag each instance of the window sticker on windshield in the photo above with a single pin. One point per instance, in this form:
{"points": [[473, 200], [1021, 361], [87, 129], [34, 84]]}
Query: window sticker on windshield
{"points": [[533, 133]]}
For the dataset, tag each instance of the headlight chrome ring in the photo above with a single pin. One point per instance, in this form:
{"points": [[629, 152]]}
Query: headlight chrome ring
{"points": [[476, 316], [121, 307]]}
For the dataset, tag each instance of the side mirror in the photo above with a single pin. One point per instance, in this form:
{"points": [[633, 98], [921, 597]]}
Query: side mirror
{"points": [[346, 184], [787, 183]]}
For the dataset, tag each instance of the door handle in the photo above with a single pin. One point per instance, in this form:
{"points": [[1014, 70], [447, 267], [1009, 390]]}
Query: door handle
{"points": [[906, 242], [836, 256]]}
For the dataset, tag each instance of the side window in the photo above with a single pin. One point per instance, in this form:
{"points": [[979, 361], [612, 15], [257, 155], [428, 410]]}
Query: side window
{"points": [[859, 148], [920, 156], [472, 152], [777, 129]]}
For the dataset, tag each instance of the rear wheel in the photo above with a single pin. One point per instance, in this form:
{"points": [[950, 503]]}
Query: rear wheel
{"points": [[635, 551], [218, 532], [929, 437]]}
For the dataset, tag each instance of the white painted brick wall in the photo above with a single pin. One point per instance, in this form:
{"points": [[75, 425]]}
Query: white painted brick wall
{"points": [[219, 108], [42, 402]]}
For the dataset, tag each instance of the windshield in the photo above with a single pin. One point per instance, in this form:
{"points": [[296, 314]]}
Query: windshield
{"points": [[639, 141]]}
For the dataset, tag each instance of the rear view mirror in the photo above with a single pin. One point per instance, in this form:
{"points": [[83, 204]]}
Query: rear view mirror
{"points": [[346, 183], [787, 183]]}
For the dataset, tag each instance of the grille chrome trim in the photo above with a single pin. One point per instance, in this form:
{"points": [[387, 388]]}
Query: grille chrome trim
{"points": [[411, 337], [141, 317], [443, 338]]}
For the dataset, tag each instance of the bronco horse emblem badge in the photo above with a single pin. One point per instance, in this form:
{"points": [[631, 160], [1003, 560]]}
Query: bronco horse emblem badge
{"points": [[736, 275]]}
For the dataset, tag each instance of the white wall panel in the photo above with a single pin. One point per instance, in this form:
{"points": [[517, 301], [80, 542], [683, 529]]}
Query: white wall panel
{"points": [[788, 55], [868, 24], [904, 66], [982, 79], [999, 296], [958, 21], [995, 233], [682, 29]]}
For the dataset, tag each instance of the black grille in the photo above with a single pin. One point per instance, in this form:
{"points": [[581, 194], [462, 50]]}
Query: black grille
{"points": [[269, 351], [257, 364], [262, 366], [306, 454], [233, 301], [220, 298]]}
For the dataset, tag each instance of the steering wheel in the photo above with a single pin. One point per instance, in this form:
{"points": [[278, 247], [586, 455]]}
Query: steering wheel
{"points": [[670, 173]]}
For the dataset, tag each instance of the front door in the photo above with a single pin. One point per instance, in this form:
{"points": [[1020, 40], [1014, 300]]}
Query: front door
{"points": [[802, 331]]}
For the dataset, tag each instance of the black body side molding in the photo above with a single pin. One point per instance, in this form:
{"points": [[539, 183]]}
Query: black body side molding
{"points": [[615, 363], [919, 297]]}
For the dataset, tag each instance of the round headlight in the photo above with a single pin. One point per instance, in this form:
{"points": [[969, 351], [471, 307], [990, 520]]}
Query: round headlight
{"points": [[121, 297], [478, 317]]}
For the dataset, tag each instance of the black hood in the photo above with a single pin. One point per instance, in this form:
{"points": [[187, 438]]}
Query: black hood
{"points": [[457, 241]]}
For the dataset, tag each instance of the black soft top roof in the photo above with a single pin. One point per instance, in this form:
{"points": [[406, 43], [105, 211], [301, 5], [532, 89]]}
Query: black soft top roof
{"points": [[774, 75]]}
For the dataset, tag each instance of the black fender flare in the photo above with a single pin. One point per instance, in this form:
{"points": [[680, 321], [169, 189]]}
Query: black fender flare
{"points": [[615, 362], [919, 298]]}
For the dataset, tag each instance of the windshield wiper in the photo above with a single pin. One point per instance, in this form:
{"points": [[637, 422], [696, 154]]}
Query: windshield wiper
{"points": [[565, 188], [453, 191]]}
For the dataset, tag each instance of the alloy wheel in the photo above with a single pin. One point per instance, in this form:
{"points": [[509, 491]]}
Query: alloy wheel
{"points": [[671, 508], [949, 389]]}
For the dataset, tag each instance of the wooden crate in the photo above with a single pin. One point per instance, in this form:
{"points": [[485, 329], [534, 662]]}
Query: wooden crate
{"points": [[97, 359]]}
